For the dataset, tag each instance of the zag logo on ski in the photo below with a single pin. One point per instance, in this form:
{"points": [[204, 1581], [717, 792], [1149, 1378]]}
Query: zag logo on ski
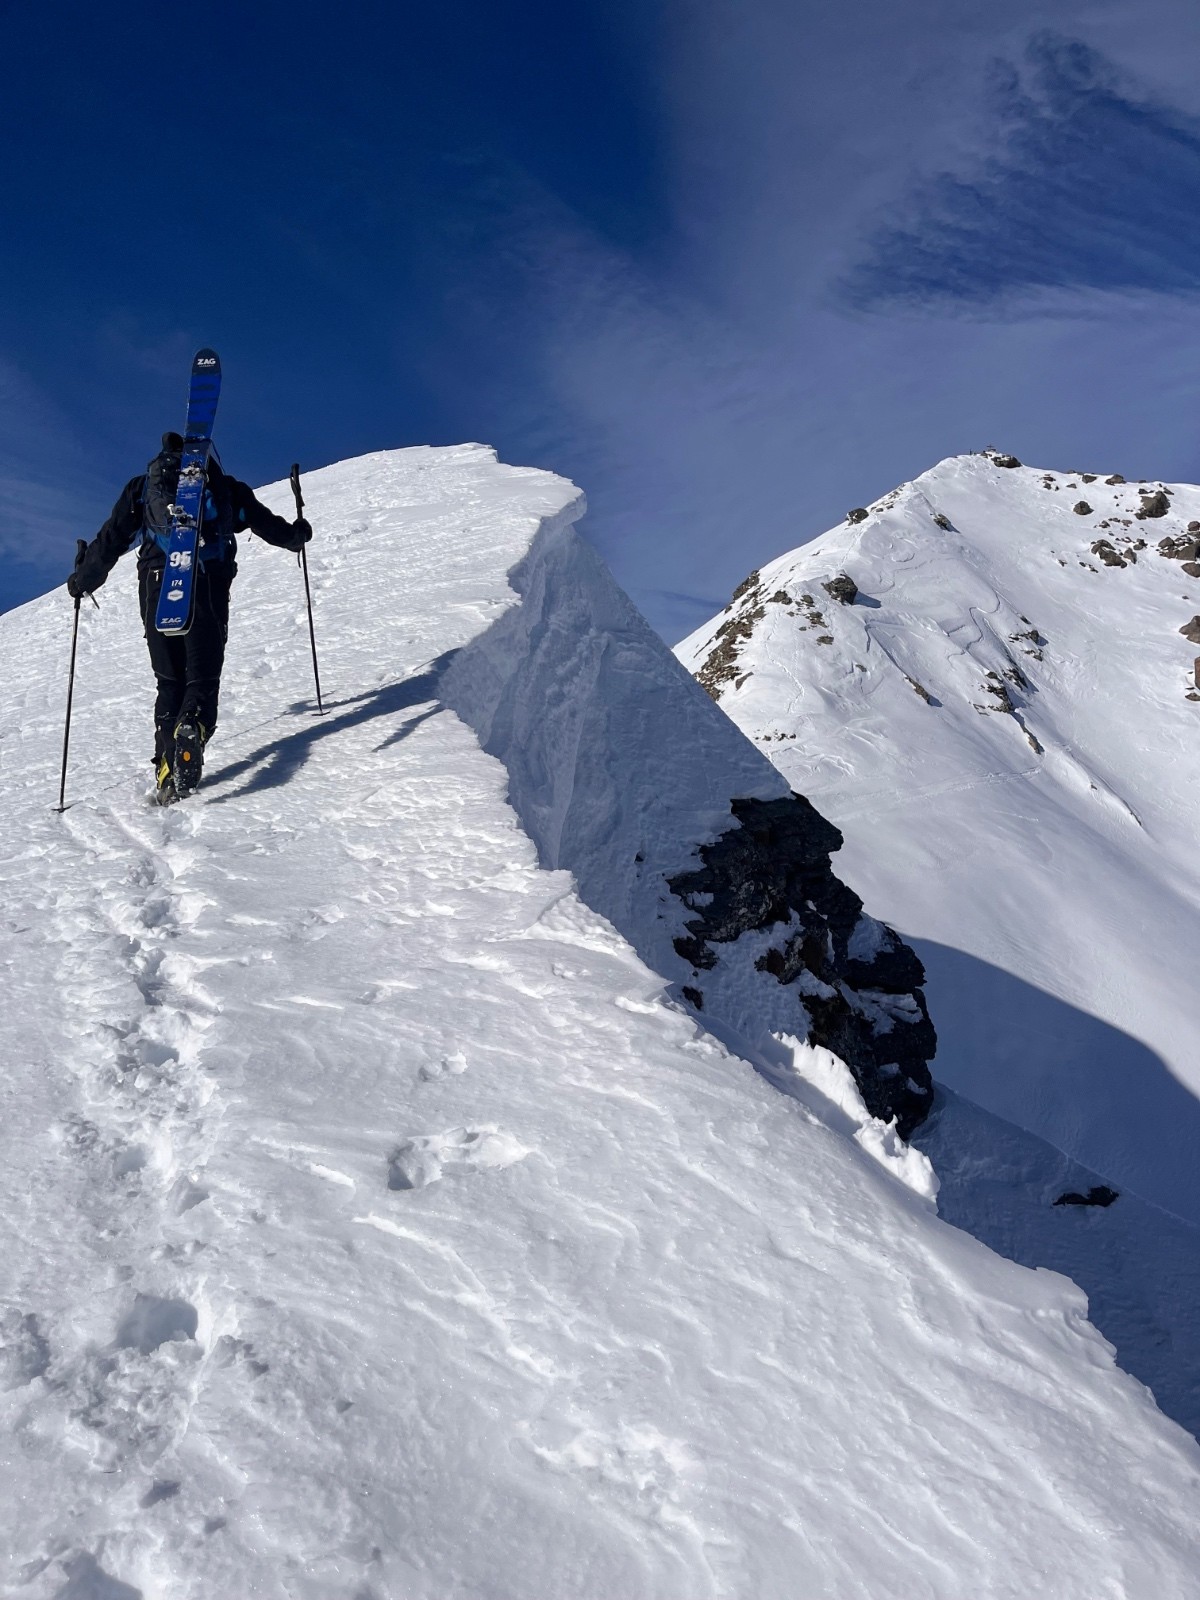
{"points": [[177, 596]]}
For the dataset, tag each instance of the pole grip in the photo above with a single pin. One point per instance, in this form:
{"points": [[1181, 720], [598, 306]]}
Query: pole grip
{"points": [[296, 488]]}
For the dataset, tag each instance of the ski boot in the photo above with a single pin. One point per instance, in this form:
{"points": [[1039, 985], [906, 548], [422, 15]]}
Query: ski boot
{"points": [[165, 794], [189, 757]]}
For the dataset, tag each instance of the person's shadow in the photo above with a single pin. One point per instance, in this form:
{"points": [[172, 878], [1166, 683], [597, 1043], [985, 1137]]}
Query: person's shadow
{"points": [[278, 762]]}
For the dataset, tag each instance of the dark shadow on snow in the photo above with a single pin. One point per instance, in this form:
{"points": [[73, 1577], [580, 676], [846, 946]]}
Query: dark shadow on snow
{"points": [[1037, 1063], [278, 761], [1072, 1078]]}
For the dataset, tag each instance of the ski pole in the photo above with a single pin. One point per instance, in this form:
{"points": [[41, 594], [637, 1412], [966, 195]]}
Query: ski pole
{"points": [[80, 547], [312, 638]]}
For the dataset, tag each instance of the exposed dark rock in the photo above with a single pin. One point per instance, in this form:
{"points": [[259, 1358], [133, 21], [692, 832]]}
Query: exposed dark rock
{"points": [[1082, 509], [746, 585], [1194, 527], [1192, 568], [1180, 548], [1191, 631], [842, 588], [1110, 556], [943, 521], [996, 686], [999, 460], [859, 514], [824, 638], [1034, 641], [780, 598], [693, 996], [1088, 477], [1116, 478], [1154, 505], [774, 871], [919, 688], [1098, 1195], [721, 665]]}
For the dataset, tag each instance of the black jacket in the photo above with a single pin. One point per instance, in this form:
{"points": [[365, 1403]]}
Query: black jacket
{"points": [[124, 528]]}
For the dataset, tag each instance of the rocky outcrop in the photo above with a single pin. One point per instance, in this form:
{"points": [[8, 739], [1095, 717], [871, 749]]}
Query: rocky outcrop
{"points": [[1180, 548], [1110, 556], [1156, 504], [1191, 631], [857, 985], [843, 589], [1100, 1194]]}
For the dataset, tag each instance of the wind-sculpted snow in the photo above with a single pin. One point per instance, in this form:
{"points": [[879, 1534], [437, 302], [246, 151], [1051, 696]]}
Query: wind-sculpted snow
{"points": [[680, 833], [379, 1226]]}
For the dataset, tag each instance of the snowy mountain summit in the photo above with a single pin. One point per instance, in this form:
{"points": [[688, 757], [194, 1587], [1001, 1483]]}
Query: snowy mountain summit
{"points": [[428, 1168], [987, 680]]}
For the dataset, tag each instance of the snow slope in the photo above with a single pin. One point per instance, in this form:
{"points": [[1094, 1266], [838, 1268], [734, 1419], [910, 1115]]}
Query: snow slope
{"points": [[999, 724], [380, 1227]]}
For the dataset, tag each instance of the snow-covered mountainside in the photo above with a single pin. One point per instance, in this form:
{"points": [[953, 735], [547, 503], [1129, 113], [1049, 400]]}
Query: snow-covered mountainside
{"points": [[986, 680], [382, 1220]]}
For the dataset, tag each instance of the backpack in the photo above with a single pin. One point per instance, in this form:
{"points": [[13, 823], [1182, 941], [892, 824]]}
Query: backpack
{"points": [[158, 495]]}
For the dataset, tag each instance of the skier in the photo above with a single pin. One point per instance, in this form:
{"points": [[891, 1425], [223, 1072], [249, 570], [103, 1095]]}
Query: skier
{"points": [[187, 666]]}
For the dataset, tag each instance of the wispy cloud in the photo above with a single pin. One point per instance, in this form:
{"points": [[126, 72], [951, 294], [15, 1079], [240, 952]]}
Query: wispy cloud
{"points": [[1092, 187]]}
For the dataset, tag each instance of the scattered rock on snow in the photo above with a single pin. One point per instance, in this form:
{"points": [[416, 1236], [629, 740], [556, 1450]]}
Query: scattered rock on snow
{"points": [[1191, 631], [1180, 548], [1110, 556], [842, 588], [721, 666], [859, 514], [1082, 509]]}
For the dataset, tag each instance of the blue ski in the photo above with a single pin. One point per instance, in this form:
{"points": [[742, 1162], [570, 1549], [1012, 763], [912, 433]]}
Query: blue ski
{"points": [[176, 596]]}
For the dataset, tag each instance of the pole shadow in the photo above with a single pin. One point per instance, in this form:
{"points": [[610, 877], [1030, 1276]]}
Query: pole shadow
{"points": [[276, 763]]}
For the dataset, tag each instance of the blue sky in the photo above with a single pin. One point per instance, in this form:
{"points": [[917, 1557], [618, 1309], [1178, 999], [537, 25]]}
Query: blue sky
{"points": [[734, 267]]}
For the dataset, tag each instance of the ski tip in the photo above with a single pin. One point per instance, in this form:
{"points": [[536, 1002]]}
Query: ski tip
{"points": [[206, 360]]}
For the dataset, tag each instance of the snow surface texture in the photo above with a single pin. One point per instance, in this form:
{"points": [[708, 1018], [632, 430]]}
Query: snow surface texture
{"points": [[999, 723], [378, 1227]]}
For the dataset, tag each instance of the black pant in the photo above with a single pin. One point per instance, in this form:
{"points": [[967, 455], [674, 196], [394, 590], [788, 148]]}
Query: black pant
{"points": [[187, 665]]}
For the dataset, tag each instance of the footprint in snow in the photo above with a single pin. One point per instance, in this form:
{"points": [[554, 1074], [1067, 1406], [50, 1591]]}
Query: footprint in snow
{"points": [[454, 1065], [420, 1161]]}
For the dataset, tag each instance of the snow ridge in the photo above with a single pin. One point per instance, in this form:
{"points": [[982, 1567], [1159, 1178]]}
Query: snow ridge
{"points": [[380, 1226]]}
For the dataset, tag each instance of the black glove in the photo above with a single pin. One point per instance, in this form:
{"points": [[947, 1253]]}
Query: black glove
{"points": [[301, 534], [76, 587]]}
